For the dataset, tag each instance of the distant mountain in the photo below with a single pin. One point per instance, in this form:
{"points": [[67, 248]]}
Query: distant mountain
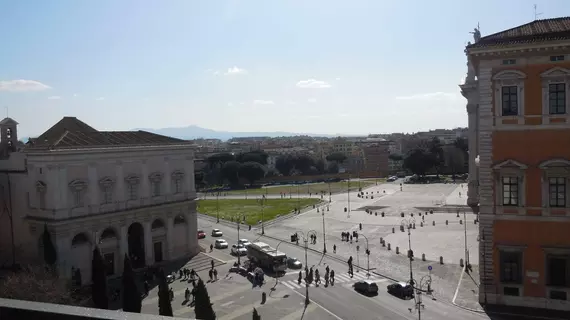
{"points": [[195, 132]]}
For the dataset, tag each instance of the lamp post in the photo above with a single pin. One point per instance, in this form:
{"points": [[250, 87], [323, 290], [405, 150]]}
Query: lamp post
{"points": [[218, 207], [425, 280], [465, 233], [277, 275], [348, 197], [407, 223], [238, 221], [330, 194], [367, 256], [262, 203], [306, 241], [298, 198], [322, 208]]}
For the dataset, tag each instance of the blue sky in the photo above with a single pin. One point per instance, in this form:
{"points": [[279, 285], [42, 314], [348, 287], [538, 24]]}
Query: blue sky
{"points": [[319, 66]]}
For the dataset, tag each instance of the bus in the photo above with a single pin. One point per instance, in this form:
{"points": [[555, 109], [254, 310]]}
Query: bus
{"points": [[267, 257]]}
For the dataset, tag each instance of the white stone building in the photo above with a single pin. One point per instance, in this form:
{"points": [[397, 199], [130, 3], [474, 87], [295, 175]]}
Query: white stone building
{"points": [[129, 192]]}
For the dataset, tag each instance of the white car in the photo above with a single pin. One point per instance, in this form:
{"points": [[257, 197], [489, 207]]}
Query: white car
{"points": [[217, 233], [239, 250], [244, 242], [221, 244]]}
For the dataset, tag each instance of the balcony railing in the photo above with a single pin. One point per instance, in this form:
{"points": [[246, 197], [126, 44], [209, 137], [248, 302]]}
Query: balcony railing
{"points": [[117, 206]]}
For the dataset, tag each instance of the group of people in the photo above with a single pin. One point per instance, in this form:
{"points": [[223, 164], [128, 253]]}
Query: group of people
{"points": [[314, 275], [346, 236], [185, 274]]}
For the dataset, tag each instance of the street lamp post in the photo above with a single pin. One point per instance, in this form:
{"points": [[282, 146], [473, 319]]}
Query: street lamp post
{"points": [[324, 230], [408, 224], [330, 194], [262, 203], [367, 256], [425, 280], [218, 207], [306, 241], [465, 233], [348, 197], [298, 198], [238, 221]]}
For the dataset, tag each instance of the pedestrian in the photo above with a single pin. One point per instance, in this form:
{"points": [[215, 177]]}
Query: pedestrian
{"points": [[192, 274], [351, 239], [211, 274], [215, 274], [300, 277], [211, 247], [180, 273], [212, 263], [187, 294], [332, 277], [334, 248], [171, 294], [146, 288]]}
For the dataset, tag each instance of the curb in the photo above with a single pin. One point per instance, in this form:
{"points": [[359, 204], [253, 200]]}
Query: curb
{"points": [[457, 291]]}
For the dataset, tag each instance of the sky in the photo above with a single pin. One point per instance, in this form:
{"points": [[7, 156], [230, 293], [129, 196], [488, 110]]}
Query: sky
{"points": [[311, 66]]}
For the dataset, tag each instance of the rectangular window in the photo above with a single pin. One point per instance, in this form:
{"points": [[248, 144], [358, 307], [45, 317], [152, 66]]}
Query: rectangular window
{"points": [[510, 105], [510, 191], [107, 194], [556, 58], [558, 270], [177, 186], [557, 192], [78, 198], [156, 188], [42, 197], [511, 266], [509, 61], [133, 191], [557, 98]]}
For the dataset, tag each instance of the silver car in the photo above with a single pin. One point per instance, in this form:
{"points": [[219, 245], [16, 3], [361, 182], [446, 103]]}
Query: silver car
{"points": [[221, 244]]}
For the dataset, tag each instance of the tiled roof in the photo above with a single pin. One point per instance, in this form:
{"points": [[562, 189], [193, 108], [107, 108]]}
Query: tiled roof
{"points": [[8, 121], [71, 133], [533, 32]]}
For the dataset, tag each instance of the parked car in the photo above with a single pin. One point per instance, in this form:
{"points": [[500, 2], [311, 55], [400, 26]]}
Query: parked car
{"points": [[201, 234], [221, 244], [217, 233], [244, 242], [366, 286], [401, 290], [392, 179], [294, 263], [239, 250]]}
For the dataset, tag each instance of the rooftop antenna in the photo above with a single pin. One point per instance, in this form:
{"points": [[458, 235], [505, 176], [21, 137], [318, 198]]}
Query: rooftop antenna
{"points": [[7, 112], [536, 13]]}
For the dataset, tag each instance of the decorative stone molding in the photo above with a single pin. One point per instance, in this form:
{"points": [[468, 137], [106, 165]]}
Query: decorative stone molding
{"points": [[510, 163], [507, 78], [177, 175], [155, 176], [554, 163], [106, 182], [132, 179], [78, 185], [556, 75], [41, 186]]}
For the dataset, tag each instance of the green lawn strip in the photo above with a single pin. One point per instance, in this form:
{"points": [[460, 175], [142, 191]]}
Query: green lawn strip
{"points": [[230, 209], [305, 189]]}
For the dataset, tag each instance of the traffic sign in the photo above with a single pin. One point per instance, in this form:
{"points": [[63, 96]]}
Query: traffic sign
{"points": [[429, 268]]}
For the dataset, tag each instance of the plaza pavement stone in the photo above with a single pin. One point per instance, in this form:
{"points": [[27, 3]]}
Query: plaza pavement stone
{"points": [[468, 291]]}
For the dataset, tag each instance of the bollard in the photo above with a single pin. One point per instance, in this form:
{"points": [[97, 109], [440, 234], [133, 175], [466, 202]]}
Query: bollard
{"points": [[381, 239], [413, 226], [423, 257], [371, 197], [433, 223], [460, 221], [440, 260], [424, 218], [420, 214], [421, 224], [411, 214], [393, 230], [383, 243], [446, 222], [475, 221], [388, 247], [461, 263], [402, 214], [457, 215], [426, 213], [382, 213], [397, 250], [366, 197], [431, 212]]}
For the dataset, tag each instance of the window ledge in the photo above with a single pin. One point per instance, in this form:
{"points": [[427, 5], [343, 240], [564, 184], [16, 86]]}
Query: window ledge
{"points": [[520, 210], [548, 118], [547, 211]]}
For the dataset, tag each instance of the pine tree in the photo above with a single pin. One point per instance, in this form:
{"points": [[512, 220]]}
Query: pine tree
{"points": [[203, 307], [164, 306], [132, 301], [99, 279], [50, 255], [256, 315]]}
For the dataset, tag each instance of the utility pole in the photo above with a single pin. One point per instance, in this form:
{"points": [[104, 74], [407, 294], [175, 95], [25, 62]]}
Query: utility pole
{"points": [[407, 223], [238, 255], [348, 197], [465, 233], [324, 231], [218, 207], [330, 194], [262, 212]]}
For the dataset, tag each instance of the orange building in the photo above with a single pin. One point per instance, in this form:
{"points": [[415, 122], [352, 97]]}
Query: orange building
{"points": [[518, 92]]}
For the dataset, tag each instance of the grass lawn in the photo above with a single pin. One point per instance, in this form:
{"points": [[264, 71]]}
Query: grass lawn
{"points": [[231, 208], [314, 188]]}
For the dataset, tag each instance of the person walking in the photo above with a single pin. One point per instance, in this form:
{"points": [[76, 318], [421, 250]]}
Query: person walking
{"points": [[332, 277], [212, 263], [211, 274], [187, 294], [334, 248], [215, 274]]}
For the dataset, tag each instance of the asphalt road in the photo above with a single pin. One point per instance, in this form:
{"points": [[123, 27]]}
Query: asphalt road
{"points": [[340, 301]]}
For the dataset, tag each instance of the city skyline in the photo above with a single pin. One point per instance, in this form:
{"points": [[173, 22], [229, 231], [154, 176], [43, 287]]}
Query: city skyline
{"points": [[245, 66]]}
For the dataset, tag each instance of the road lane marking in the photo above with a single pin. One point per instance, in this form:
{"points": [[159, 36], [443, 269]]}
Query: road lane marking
{"points": [[342, 278], [320, 306], [300, 312], [247, 309], [290, 285], [185, 309]]}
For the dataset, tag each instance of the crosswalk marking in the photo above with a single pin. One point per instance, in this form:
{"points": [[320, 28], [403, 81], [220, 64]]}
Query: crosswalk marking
{"points": [[185, 309], [294, 285]]}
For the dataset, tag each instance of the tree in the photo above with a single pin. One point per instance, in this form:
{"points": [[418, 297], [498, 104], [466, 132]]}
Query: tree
{"points": [[99, 279], [395, 157], [230, 171], [220, 159], [285, 164], [203, 307], [304, 163], [251, 171], [435, 154], [50, 255], [418, 162], [333, 168], [256, 315], [337, 157], [320, 165], [131, 295], [164, 306], [253, 156], [39, 284]]}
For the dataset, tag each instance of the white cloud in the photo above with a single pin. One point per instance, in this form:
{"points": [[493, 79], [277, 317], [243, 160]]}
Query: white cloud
{"points": [[76, 94], [337, 79], [230, 104], [100, 99], [313, 84], [432, 96], [312, 100], [263, 102], [22, 85], [235, 70], [54, 98]]}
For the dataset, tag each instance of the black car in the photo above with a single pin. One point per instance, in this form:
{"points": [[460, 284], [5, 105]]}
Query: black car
{"points": [[401, 289]]}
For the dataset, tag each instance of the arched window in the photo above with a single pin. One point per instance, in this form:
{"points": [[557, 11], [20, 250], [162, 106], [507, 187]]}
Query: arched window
{"points": [[108, 233], [79, 239], [157, 224], [179, 219]]}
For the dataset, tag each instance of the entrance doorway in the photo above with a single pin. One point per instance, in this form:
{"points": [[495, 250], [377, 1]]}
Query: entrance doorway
{"points": [[136, 245], [158, 251], [109, 259]]}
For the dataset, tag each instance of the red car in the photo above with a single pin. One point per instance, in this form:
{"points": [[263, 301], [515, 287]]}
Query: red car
{"points": [[201, 234]]}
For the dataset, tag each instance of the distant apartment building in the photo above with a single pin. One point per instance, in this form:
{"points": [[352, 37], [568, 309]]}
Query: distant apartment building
{"points": [[517, 90]]}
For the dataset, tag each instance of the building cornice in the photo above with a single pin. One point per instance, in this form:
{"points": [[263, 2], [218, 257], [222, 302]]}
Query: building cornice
{"points": [[519, 49]]}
